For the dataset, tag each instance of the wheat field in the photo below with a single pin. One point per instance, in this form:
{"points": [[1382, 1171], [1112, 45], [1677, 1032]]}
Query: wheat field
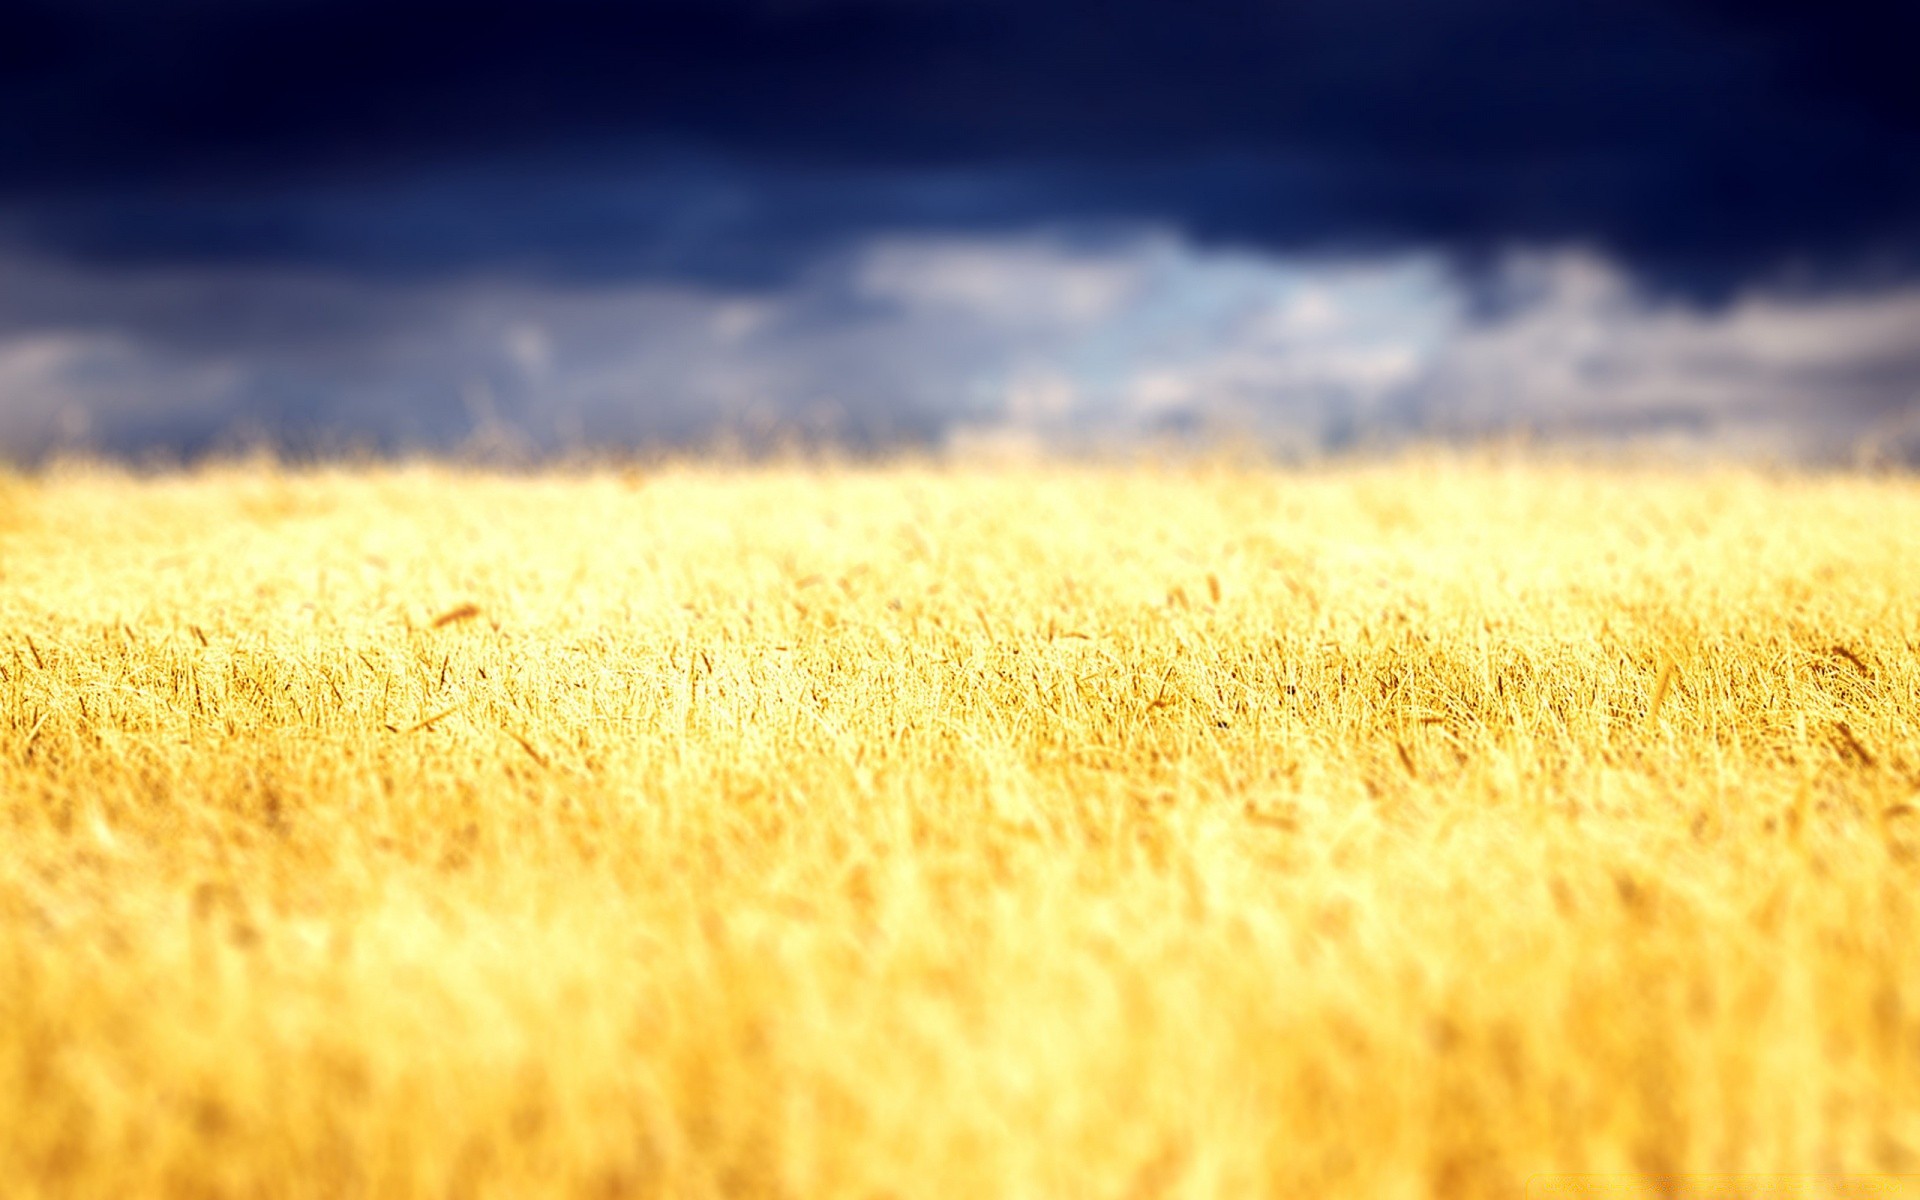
{"points": [[1441, 827]]}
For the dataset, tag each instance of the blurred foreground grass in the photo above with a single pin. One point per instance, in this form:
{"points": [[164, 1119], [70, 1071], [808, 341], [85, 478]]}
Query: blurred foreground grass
{"points": [[915, 832]]}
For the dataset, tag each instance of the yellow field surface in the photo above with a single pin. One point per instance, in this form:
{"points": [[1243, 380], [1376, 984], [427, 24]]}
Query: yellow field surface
{"points": [[1445, 827]]}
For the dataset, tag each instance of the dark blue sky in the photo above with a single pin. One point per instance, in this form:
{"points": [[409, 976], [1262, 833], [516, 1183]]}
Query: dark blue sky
{"points": [[586, 138], [1702, 148]]}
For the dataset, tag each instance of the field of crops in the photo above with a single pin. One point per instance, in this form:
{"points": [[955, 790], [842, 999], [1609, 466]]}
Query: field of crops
{"points": [[1440, 827]]}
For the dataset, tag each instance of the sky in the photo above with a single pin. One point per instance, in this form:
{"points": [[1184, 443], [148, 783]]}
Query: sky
{"points": [[415, 225]]}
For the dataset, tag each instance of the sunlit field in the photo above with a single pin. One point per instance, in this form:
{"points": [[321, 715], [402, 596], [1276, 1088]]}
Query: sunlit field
{"points": [[1411, 829]]}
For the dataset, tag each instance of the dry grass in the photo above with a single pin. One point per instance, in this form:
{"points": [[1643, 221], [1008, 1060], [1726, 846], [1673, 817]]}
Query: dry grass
{"points": [[1051, 832]]}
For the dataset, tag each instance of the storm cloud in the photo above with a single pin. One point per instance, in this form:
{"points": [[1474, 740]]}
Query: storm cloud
{"points": [[396, 223], [1698, 142]]}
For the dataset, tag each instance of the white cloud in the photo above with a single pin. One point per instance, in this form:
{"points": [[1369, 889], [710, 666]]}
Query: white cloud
{"points": [[1028, 339], [39, 402], [58, 388], [1325, 350], [1590, 355], [1009, 282], [530, 348]]}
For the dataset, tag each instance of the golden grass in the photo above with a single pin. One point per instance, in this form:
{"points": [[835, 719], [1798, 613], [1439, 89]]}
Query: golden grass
{"points": [[915, 832]]}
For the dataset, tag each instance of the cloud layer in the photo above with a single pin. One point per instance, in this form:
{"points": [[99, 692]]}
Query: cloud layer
{"points": [[1700, 143], [940, 340], [416, 222]]}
